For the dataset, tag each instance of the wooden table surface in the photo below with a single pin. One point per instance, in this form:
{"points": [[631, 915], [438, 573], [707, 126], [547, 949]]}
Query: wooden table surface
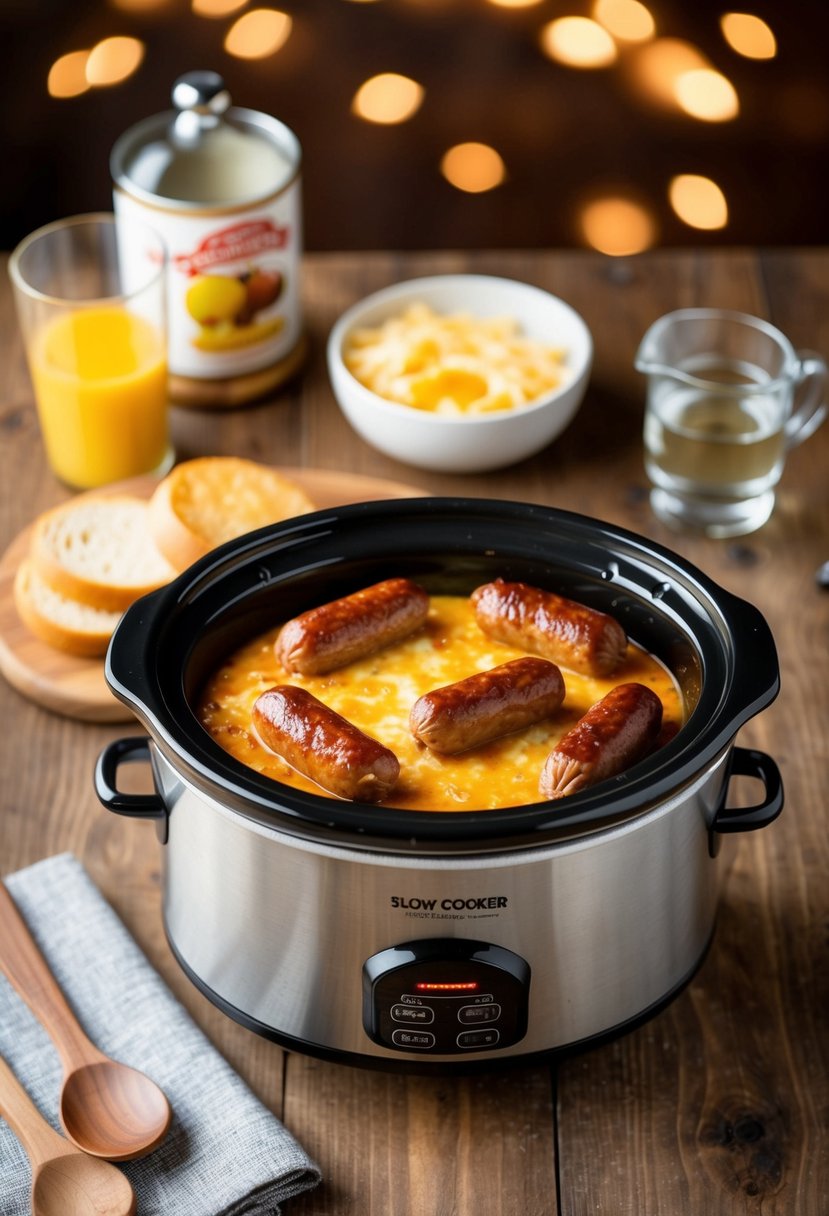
{"points": [[720, 1103]]}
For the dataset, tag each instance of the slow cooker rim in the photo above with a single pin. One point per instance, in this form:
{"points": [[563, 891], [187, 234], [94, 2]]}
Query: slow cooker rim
{"points": [[254, 795]]}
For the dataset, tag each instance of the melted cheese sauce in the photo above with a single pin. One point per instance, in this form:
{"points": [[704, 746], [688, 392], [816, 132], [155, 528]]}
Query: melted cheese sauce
{"points": [[377, 693]]}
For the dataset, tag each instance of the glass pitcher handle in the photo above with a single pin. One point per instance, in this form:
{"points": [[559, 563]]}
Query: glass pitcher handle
{"points": [[811, 388]]}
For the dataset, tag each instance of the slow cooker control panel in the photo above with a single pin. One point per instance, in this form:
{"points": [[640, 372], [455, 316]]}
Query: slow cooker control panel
{"points": [[445, 996]]}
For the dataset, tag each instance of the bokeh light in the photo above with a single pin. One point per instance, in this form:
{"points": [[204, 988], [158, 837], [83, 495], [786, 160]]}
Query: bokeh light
{"points": [[387, 98], [707, 95], [113, 60], [67, 75], [698, 201], [669, 90], [217, 8], [578, 42], [627, 20], [473, 167], [257, 34], [617, 226], [655, 67], [748, 35]]}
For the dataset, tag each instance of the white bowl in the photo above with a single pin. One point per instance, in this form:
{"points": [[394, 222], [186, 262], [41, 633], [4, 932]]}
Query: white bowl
{"points": [[477, 442]]}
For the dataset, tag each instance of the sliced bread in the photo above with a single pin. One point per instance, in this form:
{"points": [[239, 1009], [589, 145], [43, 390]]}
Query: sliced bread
{"points": [[62, 623], [202, 503], [98, 550]]}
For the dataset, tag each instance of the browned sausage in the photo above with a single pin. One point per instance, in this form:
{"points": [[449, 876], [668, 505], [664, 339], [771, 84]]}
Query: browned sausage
{"points": [[558, 629], [350, 628], [613, 734], [487, 705], [324, 746]]}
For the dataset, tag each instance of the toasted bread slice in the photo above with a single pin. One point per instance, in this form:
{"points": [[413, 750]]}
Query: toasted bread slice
{"points": [[62, 623], [203, 503], [98, 550]]}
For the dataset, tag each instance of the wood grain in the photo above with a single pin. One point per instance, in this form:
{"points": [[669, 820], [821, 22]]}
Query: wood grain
{"points": [[107, 1108], [65, 1181], [716, 1106]]}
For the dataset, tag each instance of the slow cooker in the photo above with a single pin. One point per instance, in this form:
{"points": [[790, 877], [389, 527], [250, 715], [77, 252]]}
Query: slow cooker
{"points": [[451, 941]]}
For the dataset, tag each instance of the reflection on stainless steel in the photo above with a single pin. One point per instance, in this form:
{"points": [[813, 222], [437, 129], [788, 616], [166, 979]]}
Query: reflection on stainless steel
{"points": [[279, 927]]}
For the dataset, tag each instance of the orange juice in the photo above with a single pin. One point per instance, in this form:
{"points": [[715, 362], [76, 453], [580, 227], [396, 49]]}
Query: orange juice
{"points": [[100, 379]]}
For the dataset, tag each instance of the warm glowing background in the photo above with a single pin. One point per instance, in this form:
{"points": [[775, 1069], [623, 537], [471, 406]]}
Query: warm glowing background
{"points": [[619, 125]]}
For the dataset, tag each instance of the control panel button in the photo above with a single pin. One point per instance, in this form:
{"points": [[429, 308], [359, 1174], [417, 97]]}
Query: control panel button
{"points": [[412, 1013], [446, 996], [420, 1039], [478, 1038], [476, 1014]]}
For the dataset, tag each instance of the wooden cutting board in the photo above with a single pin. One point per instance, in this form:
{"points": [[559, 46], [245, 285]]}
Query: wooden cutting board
{"points": [[76, 687]]}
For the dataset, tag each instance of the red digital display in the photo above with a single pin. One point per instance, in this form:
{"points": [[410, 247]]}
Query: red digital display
{"points": [[462, 986]]}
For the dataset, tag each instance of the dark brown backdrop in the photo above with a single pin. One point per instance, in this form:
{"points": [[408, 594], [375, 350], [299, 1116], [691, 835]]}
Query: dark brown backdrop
{"points": [[562, 133]]}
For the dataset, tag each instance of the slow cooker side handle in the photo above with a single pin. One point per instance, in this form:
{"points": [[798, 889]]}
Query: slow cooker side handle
{"points": [[133, 806], [747, 762]]}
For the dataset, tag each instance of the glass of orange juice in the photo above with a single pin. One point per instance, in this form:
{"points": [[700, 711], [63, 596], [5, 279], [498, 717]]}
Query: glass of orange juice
{"points": [[91, 302]]}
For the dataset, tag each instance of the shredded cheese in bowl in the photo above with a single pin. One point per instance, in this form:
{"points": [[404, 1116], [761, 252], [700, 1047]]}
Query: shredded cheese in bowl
{"points": [[453, 364]]}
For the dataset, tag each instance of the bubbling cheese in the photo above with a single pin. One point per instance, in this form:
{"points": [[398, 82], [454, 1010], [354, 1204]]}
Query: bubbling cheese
{"points": [[453, 364], [376, 694]]}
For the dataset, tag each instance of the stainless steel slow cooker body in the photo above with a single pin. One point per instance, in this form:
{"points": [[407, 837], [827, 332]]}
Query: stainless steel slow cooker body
{"points": [[446, 941]]}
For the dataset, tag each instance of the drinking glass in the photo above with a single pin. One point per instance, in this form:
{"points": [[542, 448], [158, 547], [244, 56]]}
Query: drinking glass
{"points": [[727, 397], [90, 300]]}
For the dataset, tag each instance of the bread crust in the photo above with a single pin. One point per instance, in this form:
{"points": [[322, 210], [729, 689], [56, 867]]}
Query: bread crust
{"points": [[204, 502], [87, 644], [95, 590]]}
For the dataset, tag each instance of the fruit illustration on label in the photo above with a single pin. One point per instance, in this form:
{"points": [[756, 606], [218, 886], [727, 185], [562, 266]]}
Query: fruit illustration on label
{"points": [[214, 298], [263, 288], [225, 307]]}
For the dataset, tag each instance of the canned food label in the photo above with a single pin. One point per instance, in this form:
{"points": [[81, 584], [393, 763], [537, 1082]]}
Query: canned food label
{"points": [[233, 292]]}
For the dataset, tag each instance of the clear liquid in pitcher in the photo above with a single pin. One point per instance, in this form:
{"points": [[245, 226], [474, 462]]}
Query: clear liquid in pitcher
{"points": [[716, 445]]}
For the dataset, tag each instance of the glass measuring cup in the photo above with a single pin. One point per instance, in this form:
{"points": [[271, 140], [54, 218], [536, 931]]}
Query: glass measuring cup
{"points": [[727, 397]]}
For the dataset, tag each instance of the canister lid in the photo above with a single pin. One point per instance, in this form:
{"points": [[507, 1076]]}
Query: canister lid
{"points": [[205, 152]]}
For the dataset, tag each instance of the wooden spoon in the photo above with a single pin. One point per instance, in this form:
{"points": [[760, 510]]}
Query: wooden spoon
{"points": [[65, 1181], [106, 1108]]}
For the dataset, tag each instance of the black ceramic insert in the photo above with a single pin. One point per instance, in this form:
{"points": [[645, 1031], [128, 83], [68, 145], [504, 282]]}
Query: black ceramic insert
{"points": [[718, 646]]}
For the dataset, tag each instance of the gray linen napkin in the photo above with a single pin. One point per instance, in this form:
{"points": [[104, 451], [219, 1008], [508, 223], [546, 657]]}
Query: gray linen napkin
{"points": [[225, 1154]]}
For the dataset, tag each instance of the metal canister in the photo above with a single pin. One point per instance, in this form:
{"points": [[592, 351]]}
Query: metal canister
{"points": [[221, 186]]}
